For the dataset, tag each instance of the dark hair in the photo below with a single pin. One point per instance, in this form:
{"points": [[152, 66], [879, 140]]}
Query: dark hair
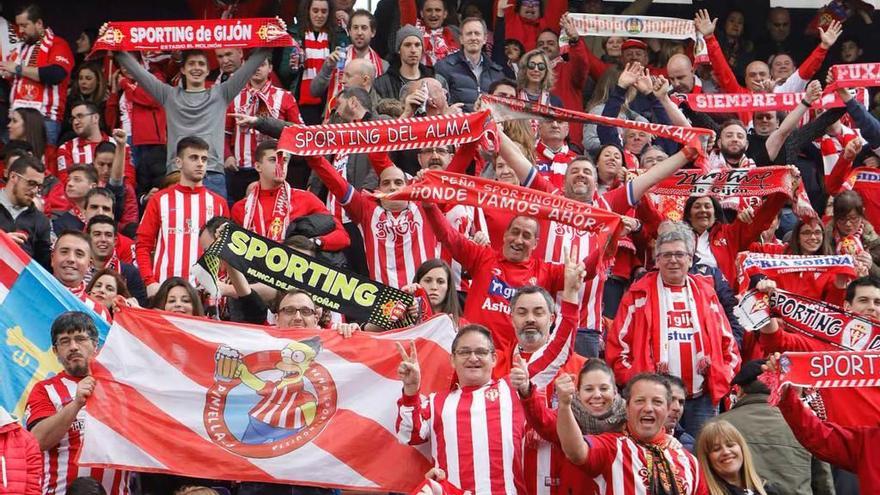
{"points": [[730, 122], [264, 147], [305, 20], [473, 328], [121, 285], [161, 298], [360, 93], [25, 162], [533, 219], [674, 381], [89, 170], [74, 233], [16, 148], [846, 202], [85, 485], [34, 12], [867, 281], [534, 289], [100, 88], [193, 142], [503, 81], [188, 54], [34, 129], [73, 321], [540, 7], [449, 305], [100, 191], [100, 219], [596, 364], [91, 106], [794, 243], [755, 387], [552, 31], [689, 204], [213, 224], [105, 147], [648, 377], [363, 13]]}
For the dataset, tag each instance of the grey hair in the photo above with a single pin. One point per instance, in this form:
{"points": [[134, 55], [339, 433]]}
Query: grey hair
{"points": [[534, 289], [676, 235]]}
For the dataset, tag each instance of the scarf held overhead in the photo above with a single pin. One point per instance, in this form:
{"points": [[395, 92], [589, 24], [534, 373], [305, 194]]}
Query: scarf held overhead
{"points": [[278, 266], [386, 135], [824, 322], [762, 181], [778, 264], [447, 188], [504, 109], [755, 102], [201, 34], [854, 76], [823, 370]]}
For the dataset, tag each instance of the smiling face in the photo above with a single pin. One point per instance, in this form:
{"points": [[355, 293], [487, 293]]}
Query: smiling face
{"points": [[613, 45], [782, 66], [596, 392], [296, 358], [810, 237], [179, 301], [70, 260], [531, 319], [702, 214], [646, 409], [609, 163], [520, 239], [104, 290], [530, 9], [297, 311], [473, 359], [74, 350], [504, 173], [434, 13], [103, 240], [580, 181], [536, 70], [733, 142], [549, 43], [674, 261], [866, 302], [195, 70], [726, 457]]}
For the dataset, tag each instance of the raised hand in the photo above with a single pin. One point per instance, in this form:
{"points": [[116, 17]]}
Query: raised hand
{"points": [[565, 390], [575, 271], [519, 376], [120, 136], [853, 148], [814, 92], [661, 87], [829, 36], [568, 26], [629, 75], [644, 83], [704, 23], [408, 371]]}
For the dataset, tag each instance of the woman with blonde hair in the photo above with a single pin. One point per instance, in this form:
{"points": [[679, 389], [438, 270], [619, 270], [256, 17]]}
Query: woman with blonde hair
{"points": [[727, 462], [535, 79]]}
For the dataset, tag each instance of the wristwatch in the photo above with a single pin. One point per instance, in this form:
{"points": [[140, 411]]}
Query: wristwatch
{"points": [[18, 69]]}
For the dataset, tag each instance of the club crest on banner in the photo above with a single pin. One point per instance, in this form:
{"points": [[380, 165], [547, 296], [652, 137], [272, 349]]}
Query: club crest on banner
{"points": [[269, 403], [634, 25]]}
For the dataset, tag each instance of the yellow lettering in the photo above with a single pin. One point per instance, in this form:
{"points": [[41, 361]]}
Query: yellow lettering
{"points": [[276, 259], [365, 294], [256, 249], [296, 267], [238, 242], [343, 286], [317, 271]]}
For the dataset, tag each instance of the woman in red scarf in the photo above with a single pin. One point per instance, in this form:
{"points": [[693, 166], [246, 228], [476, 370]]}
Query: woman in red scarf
{"points": [[850, 232]]}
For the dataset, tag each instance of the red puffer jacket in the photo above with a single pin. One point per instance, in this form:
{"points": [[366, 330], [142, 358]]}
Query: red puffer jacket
{"points": [[21, 462]]}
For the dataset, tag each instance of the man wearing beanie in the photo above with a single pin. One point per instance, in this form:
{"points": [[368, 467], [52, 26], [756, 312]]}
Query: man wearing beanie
{"points": [[406, 66], [778, 455]]}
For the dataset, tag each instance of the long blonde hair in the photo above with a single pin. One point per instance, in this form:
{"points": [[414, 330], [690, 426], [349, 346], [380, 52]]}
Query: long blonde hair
{"points": [[719, 431], [522, 79]]}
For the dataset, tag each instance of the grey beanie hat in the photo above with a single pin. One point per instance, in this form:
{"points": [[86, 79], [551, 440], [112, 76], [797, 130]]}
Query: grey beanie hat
{"points": [[405, 32]]}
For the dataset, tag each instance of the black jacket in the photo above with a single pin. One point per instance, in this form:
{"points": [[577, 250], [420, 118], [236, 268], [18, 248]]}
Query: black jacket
{"points": [[32, 221], [389, 84], [463, 85]]}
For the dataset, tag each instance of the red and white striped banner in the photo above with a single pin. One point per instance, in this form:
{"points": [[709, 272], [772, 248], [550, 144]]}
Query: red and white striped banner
{"points": [[854, 76], [778, 264], [200, 34], [633, 26], [195, 397], [830, 369], [386, 135], [755, 102]]}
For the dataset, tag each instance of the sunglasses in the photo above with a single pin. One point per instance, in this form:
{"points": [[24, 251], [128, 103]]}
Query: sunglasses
{"points": [[537, 65]]}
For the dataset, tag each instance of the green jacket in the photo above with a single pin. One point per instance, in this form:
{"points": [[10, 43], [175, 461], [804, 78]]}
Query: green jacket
{"points": [[778, 456]]}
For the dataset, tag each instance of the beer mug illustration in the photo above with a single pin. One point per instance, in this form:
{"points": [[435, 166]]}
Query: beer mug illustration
{"points": [[227, 361]]}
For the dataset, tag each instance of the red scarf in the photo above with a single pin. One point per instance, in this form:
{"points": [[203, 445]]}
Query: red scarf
{"points": [[316, 48], [254, 217], [823, 370], [335, 86], [436, 45], [849, 244]]}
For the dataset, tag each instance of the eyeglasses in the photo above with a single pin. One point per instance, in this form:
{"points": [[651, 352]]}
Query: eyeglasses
{"points": [[291, 310], [537, 65], [66, 341], [481, 353], [669, 255], [80, 116], [431, 151], [32, 184], [850, 219], [811, 233]]}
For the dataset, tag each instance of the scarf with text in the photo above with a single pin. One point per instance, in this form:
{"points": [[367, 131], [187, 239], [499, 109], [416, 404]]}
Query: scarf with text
{"points": [[387, 135], [823, 370], [276, 224], [446, 188], [778, 264], [854, 76], [755, 102], [504, 109], [199, 34], [733, 182], [826, 323]]}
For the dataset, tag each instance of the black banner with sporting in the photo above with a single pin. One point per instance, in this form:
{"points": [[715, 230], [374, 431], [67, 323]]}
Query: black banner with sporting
{"points": [[276, 265]]}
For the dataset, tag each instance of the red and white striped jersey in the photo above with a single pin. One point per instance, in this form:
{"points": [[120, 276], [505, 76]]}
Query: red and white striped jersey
{"points": [[553, 164], [683, 339], [281, 405], [468, 220], [78, 151], [340, 164], [475, 435], [618, 465], [48, 99], [396, 243], [46, 399], [82, 295], [269, 101], [167, 242]]}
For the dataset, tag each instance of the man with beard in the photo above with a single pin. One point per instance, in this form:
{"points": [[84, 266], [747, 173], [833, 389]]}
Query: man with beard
{"points": [[732, 145], [55, 412], [607, 456], [331, 78], [101, 229], [19, 217], [407, 66], [42, 72]]}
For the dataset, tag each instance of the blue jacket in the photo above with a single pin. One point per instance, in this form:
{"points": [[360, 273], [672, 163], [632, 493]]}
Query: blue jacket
{"points": [[463, 85]]}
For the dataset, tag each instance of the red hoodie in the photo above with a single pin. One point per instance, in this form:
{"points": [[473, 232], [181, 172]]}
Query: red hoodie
{"points": [[147, 115], [21, 460], [525, 30]]}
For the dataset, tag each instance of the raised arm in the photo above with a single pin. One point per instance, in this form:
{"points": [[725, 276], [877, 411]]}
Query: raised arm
{"points": [[660, 171], [570, 437], [777, 138], [236, 82], [725, 76], [157, 89]]}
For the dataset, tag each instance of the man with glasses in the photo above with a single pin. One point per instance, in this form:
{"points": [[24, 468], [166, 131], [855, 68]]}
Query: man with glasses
{"points": [[19, 217], [476, 429], [85, 118], [672, 322], [55, 412]]}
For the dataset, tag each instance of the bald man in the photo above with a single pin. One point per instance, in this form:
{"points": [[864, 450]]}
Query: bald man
{"points": [[681, 74]]}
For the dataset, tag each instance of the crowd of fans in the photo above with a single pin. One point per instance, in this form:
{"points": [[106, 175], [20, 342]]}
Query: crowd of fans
{"points": [[120, 169]]}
